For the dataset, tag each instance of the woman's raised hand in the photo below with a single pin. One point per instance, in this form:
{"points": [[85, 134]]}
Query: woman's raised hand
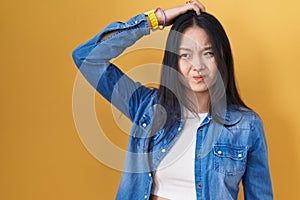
{"points": [[174, 12]]}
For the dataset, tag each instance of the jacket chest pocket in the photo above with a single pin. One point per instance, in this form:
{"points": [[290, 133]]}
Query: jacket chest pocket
{"points": [[230, 160]]}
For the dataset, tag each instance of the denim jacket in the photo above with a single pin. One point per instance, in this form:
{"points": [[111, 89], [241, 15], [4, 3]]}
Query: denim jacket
{"points": [[239, 153]]}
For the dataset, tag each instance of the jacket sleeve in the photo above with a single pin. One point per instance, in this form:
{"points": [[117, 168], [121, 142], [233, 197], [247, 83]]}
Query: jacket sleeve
{"points": [[257, 179], [93, 60]]}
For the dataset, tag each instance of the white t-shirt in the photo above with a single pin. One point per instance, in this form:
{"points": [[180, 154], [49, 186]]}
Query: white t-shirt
{"points": [[174, 178]]}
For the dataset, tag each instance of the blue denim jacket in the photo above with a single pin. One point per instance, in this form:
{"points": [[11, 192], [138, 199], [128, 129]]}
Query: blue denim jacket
{"points": [[238, 154]]}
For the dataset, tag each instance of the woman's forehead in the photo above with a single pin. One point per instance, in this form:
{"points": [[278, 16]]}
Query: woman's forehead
{"points": [[194, 37]]}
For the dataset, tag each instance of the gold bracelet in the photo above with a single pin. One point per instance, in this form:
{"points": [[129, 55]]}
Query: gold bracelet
{"points": [[153, 19]]}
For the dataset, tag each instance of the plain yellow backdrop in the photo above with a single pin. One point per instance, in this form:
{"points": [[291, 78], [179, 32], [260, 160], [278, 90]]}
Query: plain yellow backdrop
{"points": [[41, 154]]}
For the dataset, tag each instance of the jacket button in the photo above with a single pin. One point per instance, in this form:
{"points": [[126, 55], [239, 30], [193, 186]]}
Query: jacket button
{"points": [[199, 185], [150, 174], [219, 152], [240, 155], [144, 125], [163, 150], [179, 129], [199, 155], [145, 196]]}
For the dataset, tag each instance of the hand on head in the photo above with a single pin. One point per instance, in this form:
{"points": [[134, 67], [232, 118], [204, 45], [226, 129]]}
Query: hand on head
{"points": [[173, 13]]}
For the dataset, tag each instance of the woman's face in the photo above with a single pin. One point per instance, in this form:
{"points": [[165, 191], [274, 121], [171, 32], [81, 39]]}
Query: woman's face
{"points": [[196, 60]]}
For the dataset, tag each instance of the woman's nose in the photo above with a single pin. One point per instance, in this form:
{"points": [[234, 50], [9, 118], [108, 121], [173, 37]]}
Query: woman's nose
{"points": [[197, 64]]}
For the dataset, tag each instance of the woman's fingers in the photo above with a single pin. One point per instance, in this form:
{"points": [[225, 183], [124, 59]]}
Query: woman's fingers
{"points": [[174, 12], [195, 5], [201, 6]]}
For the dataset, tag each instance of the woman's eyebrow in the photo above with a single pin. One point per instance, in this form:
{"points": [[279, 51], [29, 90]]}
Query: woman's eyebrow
{"points": [[207, 48], [184, 48], [201, 49]]}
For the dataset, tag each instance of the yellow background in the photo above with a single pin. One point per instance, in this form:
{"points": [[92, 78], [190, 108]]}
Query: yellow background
{"points": [[41, 155]]}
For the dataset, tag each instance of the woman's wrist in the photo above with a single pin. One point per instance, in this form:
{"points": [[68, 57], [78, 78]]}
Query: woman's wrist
{"points": [[152, 19], [161, 17], [156, 19]]}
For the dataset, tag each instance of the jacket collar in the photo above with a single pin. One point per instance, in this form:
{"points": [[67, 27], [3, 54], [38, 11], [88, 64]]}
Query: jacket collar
{"points": [[233, 115]]}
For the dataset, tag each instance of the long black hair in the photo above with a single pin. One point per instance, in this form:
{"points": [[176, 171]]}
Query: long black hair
{"points": [[171, 91]]}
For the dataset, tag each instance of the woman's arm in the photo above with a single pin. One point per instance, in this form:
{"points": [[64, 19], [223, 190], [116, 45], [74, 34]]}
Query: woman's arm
{"points": [[171, 14], [92, 58], [257, 180]]}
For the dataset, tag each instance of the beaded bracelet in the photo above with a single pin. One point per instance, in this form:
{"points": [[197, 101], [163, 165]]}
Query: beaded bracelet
{"points": [[153, 19]]}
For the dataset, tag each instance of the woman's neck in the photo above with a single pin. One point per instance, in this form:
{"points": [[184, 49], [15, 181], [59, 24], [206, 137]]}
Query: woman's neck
{"points": [[203, 102]]}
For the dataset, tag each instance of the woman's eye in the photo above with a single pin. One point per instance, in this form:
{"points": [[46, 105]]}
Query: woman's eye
{"points": [[208, 53], [185, 55]]}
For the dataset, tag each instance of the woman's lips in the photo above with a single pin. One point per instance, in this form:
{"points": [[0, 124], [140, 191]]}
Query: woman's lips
{"points": [[198, 78]]}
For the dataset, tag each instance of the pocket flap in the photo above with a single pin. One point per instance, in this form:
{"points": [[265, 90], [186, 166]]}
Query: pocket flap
{"points": [[235, 153]]}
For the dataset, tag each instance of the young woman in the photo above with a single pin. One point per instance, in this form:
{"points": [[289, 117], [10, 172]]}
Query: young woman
{"points": [[193, 138]]}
